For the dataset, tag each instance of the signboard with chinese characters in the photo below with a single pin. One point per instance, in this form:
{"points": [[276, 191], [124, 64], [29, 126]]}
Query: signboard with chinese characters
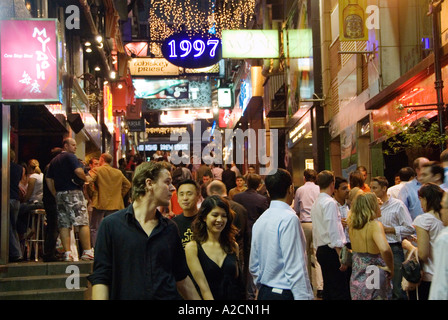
{"points": [[29, 61], [138, 125]]}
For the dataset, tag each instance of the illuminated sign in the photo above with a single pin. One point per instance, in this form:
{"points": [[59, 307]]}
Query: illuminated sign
{"points": [[29, 61], [224, 117], [242, 44], [108, 112], [192, 52], [224, 97], [245, 94], [299, 43], [164, 147], [152, 67], [299, 131], [160, 89]]}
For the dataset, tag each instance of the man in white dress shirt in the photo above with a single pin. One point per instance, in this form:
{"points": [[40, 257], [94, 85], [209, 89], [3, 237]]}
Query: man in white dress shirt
{"points": [[397, 224], [277, 257], [406, 174], [303, 201], [329, 238]]}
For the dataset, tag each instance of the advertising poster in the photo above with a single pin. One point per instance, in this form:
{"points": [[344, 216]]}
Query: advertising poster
{"points": [[29, 60]]}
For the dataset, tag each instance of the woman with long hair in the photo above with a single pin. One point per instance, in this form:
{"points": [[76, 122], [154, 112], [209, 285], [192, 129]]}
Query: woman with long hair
{"points": [[370, 248], [427, 226], [212, 255]]}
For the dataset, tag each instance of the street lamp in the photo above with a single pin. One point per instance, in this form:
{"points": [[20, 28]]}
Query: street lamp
{"points": [[434, 10]]}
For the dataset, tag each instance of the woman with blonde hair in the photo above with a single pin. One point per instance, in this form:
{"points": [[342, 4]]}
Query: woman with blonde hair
{"points": [[33, 197], [372, 255]]}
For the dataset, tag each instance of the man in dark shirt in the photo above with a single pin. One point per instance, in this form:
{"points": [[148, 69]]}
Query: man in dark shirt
{"points": [[70, 200], [16, 174], [229, 178], [138, 252], [187, 196], [52, 232]]}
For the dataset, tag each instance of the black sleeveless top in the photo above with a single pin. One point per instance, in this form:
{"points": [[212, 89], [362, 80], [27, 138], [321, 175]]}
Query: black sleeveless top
{"points": [[225, 282]]}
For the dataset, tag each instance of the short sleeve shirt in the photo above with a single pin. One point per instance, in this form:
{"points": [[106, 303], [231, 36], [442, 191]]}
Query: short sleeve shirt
{"points": [[62, 169]]}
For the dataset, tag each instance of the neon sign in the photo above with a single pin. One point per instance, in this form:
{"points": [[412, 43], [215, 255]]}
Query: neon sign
{"points": [[199, 51]]}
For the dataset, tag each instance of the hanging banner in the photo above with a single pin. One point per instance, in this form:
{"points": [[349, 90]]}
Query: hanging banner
{"points": [[29, 61], [352, 20]]}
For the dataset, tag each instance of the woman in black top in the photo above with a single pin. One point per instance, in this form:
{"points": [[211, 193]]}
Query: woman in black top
{"points": [[212, 256]]}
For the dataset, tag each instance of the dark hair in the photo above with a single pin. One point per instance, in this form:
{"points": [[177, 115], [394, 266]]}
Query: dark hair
{"points": [[189, 181], [253, 181], [146, 170], [406, 173], [338, 181], [199, 226], [278, 183], [361, 168], [356, 179], [382, 181], [433, 195], [324, 179], [436, 169], [310, 175]]}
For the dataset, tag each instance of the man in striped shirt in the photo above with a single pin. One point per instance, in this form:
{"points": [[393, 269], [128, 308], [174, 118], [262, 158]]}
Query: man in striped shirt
{"points": [[397, 224]]}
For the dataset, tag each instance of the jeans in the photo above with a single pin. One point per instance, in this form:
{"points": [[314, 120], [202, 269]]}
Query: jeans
{"points": [[52, 231], [15, 252], [397, 291], [95, 221]]}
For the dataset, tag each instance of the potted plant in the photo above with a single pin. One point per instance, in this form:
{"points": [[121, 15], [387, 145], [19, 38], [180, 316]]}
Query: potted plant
{"points": [[418, 139]]}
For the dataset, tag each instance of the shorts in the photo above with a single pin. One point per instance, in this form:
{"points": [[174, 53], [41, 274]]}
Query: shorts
{"points": [[72, 209]]}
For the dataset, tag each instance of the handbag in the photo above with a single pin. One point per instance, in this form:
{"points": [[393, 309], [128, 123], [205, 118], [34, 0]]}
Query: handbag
{"points": [[411, 269], [346, 256]]}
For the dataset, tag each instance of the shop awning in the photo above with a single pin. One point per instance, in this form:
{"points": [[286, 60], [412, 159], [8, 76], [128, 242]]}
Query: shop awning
{"points": [[37, 119]]}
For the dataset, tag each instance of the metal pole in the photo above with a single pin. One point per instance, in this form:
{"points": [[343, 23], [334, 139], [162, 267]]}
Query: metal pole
{"points": [[435, 8], [5, 145]]}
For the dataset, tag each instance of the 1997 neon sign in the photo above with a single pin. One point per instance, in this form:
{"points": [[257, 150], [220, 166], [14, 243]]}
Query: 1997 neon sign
{"points": [[192, 52]]}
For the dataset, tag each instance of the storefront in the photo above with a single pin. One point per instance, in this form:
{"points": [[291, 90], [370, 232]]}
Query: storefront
{"points": [[411, 97]]}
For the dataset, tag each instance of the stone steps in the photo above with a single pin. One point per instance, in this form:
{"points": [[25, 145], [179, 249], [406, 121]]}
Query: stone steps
{"points": [[45, 281]]}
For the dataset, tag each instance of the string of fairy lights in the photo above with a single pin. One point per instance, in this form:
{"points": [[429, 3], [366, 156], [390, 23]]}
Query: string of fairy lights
{"points": [[198, 16]]}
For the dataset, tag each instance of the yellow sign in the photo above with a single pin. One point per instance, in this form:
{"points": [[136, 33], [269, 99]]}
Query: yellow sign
{"points": [[152, 67], [352, 20]]}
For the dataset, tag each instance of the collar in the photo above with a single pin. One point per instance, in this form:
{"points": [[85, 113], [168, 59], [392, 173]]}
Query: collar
{"points": [[277, 204], [130, 214]]}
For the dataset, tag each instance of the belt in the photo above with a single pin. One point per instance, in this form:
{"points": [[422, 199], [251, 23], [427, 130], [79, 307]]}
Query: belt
{"points": [[276, 290], [306, 221]]}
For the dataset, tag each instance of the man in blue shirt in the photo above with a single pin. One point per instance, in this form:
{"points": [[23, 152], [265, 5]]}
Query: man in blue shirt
{"points": [[409, 193], [277, 259]]}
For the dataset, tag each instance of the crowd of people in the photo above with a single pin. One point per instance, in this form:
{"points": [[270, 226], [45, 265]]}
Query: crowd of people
{"points": [[201, 231]]}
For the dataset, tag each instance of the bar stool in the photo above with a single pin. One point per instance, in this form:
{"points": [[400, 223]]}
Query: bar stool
{"points": [[37, 217]]}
